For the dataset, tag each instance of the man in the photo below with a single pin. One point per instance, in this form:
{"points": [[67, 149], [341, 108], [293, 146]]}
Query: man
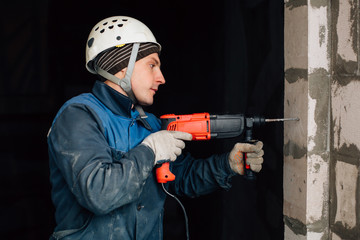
{"points": [[103, 147]]}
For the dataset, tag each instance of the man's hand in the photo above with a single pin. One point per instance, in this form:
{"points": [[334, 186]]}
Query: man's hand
{"points": [[167, 145], [254, 155]]}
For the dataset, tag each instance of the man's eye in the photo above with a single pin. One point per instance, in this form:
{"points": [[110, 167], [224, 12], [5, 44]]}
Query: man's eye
{"points": [[152, 65]]}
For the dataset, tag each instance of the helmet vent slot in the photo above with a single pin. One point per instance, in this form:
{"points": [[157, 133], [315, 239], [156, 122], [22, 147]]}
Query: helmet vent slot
{"points": [[90, 42], [111, 27], [96, 28], [115, 20], [105, 23], [124, 19], [102, 30], [120, 25]]}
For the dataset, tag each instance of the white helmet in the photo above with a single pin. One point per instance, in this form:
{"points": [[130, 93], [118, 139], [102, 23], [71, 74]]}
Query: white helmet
{"points": [[114, 31]]}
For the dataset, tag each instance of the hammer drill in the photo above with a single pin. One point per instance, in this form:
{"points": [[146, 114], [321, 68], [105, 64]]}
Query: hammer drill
{"points": [[204, 126]]}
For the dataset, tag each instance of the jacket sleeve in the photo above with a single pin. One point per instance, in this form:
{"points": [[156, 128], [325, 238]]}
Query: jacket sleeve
{"points": [[195, 177], [101, 178]]}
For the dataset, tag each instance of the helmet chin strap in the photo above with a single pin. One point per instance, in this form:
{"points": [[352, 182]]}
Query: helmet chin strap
{"points": [[125, 83]]}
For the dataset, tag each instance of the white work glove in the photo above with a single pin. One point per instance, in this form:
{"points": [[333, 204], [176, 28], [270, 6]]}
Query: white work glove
{"points": [[254, 158], [166, 145]]}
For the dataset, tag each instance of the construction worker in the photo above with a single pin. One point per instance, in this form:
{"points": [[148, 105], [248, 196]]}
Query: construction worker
{"points": [[103, 148]]}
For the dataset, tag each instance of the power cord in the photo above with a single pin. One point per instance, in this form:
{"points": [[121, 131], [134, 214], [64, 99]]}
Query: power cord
{"points": [[183, 208]]}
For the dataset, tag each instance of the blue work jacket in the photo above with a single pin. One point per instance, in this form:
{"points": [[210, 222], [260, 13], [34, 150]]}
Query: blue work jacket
{"points": [[103, 178]]}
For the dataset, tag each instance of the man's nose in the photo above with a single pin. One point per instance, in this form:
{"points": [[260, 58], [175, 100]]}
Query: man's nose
{"points": [[160, 78]]}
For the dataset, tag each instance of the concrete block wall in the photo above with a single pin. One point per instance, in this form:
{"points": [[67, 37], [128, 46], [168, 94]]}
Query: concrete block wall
{"points": [[345, 110], [296, 102], [322, 88]]}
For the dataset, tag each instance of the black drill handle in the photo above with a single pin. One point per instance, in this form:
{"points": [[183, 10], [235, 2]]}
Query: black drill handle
{"points": [[249, 174]]}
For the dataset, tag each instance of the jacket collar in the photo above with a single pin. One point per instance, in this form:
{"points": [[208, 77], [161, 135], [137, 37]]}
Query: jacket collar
{"points": [[112, 99]]}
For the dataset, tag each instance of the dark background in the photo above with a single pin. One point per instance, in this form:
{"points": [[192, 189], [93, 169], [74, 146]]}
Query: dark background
{"points": [[218, 57]]}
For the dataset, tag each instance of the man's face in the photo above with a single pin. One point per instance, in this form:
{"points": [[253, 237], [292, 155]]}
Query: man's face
{"points": [[146, 79]]}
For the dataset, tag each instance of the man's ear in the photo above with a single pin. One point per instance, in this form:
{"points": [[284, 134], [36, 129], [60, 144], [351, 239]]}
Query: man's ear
{"points": [[121, 73]]}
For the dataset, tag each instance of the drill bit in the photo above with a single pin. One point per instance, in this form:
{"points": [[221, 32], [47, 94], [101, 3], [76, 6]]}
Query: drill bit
{"points": [[282, 119]]}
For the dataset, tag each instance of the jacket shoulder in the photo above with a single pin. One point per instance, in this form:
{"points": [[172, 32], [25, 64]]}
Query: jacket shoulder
{"points": [[86, 99]]}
